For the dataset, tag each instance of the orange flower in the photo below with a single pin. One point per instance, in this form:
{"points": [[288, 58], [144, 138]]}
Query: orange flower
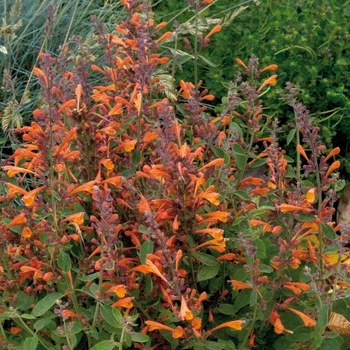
{"points": [[210, 196], [296, 287], [332, 153], [15, 330], [240, 62], [129, 145], [215, 162], [186, 89], [71, 314], [177, 332], [270, 67], [13, 189], [237, 285], [310, 195], [333, 167], [301, 150], [185, 313], [14, 170], [308, 321], [125, 302], [165, 36], [18, 220], [27, 232], [275, 319], [119, 289], [270, 81], [78, 218], [143, 206], [228, 256], [231, 324], [285, 208], [87, 187], [216, 29]]}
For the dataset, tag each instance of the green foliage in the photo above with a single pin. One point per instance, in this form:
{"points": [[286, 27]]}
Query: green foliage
{"points": [[310, 44]]}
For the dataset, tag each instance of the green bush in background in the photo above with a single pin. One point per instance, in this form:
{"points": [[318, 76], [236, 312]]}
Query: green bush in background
{"points": [[309, 41]]}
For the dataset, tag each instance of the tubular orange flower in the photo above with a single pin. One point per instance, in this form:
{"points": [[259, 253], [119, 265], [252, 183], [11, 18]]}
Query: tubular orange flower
{"points": [[270, 81], [240, 62], [165, 36], [215, 162], [78, 218], [308, 321], [231, 324], [125, 302], [285, 208], [332, 153], [27, 232], [70, 314], [186, 89], [216, 29], [143, 206], [310, 195], [178, 332], [14, 170], [185, 313], [13, 189], [270, 67], [333, 167], [301, 150], [228, 256], [18, 220], [129, 145], [119, 289], [15, 330], [87, 187], [210, 196], [237, 285], [218, 215]]}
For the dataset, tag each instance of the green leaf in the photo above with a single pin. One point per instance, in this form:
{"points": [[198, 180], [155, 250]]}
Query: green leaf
{"points": [[290, 136], [227, 309], [140, 338], [243, 195], [240, 156], [105, 345], [30, 343], [322, 316], [219, 152], [253, 298], [41, 323], [208, 62], [24, 301], [205, 259], [88, 278], [108, 316], [261, 253], [305, 218], [318, 340], [146, 248], [46, 303], [28, 317], [211, 345], [136, 158], [144, 229], [258, 163], [207, 272], [328, 231], [64, 262]]}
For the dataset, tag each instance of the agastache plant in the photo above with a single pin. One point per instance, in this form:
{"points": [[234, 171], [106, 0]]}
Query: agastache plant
{"points": [[134, 221]]}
